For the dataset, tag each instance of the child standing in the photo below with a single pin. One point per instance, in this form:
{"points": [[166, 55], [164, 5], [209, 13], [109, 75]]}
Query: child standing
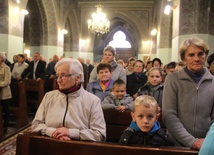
{"points": [[144, 128], [154, 85], [118, 99]]}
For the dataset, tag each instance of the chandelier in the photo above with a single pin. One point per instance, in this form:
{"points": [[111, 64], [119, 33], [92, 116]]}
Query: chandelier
{"points": [[98, 23]]}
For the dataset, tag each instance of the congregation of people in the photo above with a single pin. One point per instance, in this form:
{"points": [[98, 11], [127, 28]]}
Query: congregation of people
{"points": [[180, 91]]}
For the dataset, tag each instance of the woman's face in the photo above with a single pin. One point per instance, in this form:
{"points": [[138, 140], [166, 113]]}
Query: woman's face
{"points": [[138, 67], [65, 79], [154, 77], [194, 58], [104, 75]]}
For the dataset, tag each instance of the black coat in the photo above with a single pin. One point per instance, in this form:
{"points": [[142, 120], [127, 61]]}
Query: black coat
{"points": [[134, 83], [157, 138], [40, 70]]}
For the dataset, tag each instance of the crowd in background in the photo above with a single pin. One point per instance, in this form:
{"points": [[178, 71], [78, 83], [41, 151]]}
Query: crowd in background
{"points": [[179, 88]]}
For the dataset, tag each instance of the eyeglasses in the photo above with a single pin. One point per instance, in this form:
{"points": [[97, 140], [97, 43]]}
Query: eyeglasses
{"points": [[63, 76]]}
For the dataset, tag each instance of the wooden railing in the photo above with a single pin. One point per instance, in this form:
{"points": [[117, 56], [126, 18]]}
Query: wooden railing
{"points": [[34, 144]]}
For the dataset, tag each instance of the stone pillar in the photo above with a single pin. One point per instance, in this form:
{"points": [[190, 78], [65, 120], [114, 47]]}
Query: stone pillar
{"points": [[11, 28], [191, 19], [164, 36]]}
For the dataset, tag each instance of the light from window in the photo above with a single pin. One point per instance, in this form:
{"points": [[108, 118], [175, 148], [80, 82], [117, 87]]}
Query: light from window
{"points": [[119, 40]]}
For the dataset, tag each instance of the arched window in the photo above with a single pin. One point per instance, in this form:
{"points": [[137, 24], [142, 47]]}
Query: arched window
{"points": [[119, 40]]}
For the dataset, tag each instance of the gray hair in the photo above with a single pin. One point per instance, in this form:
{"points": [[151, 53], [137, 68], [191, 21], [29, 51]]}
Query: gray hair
{"points": [[197, 42], [2, 54], [75, 67]]}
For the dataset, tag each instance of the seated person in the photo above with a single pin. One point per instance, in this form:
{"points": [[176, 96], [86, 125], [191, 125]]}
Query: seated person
{"points": [[154, 85], [208, 144], [104, 84], [118, 99], [70, 112], [145, 129]]}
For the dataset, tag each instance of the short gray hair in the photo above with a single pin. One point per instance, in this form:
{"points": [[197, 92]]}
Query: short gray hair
{"points": [[75, 66]]}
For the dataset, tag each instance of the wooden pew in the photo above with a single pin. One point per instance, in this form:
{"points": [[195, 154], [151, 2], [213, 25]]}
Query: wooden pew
{"points": [[116, 122], [50, 84], [31, 144], [35, 91], [18, 103]]}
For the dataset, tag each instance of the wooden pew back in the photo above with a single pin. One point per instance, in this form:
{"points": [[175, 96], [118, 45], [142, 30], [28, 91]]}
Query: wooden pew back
{"points": [[18, 103], [37, 89], [116, 122], [34, 145]]}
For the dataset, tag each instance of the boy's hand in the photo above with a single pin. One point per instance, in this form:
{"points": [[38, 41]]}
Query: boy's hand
{"points": [[121, 108]]}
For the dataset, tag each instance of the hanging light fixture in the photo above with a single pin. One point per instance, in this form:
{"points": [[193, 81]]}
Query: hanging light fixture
{"points": [[98, 23]]}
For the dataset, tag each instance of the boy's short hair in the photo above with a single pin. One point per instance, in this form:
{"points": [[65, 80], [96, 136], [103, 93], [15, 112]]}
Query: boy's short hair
{"points": [[147, 101], [103, 65], [119, 82]]}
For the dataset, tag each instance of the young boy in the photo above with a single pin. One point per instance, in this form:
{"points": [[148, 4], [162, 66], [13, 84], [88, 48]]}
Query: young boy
{"points": [[145, 129], [118, 99]]}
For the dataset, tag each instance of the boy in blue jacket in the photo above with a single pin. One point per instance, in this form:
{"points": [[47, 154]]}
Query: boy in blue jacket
{"points": [[144, 128]]}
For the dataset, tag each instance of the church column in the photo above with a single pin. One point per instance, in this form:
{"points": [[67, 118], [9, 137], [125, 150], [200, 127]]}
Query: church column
{"points": [[191, 19], [164, 36], [11, 31]]}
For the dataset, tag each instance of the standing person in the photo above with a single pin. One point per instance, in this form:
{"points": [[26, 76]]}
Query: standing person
{"points": [[50, 71], [15, 60], [154, 85], [130, 66], [210, 61], [118, 99], [19, 67], [188, 108], [109, 57], [70, 112], [5, 93], [36, 68], [102, 87], [145, 128], [137, 79], [90, 67]]}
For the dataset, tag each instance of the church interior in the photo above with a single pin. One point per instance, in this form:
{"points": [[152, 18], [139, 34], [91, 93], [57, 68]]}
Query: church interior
{"points": [[43, 28], [142, 29]]}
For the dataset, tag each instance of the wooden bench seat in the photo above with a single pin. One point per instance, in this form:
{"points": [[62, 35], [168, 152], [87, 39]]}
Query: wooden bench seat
{"points": [[18, 103], [34, 91], [34, 144]]}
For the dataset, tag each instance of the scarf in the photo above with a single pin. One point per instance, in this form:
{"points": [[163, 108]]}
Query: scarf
{"points": [[104, 86], [195, 76], [70, 90], [113, 65]]}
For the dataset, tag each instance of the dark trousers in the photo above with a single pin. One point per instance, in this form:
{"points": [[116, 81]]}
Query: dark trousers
{"points": [[6, 112]]}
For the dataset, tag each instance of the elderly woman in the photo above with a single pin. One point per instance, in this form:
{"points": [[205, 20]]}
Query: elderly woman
{"points": [[188, 104], [5, 93], [70, 112], [104, 84]]}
